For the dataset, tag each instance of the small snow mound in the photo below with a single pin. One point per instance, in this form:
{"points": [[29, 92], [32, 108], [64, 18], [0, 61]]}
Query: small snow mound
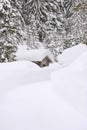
{"points": [[69, 55]]}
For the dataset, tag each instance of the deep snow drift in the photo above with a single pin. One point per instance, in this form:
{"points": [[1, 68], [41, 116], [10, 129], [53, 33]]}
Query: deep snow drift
{"points": [[51, 98], [71, 83]]}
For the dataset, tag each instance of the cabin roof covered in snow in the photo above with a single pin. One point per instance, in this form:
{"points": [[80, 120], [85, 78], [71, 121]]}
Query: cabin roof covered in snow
{"points": [[33, 55]]}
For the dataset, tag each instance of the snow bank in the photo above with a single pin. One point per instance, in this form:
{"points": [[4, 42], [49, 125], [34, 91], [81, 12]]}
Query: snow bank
{"points": [[32, 55], [69, 55], [18, 66], [18, 73], [13, 74], [71, 83]]}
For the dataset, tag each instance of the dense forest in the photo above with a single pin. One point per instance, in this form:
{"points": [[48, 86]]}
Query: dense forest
{"points": [[53, 24]]}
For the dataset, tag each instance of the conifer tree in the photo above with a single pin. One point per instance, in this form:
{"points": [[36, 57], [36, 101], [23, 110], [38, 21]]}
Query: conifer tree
{"points": [[10, 29]]}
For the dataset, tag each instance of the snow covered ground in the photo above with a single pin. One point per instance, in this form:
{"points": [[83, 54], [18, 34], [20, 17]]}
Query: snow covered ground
{"points": [[51, 98], [36, 107]]}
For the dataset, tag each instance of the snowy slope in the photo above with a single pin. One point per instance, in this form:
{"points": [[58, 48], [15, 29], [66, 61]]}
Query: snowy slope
{"points": [[71, 83]]}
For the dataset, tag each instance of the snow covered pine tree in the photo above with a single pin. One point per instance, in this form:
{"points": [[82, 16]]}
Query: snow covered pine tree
{"points": [[10, 30]]}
